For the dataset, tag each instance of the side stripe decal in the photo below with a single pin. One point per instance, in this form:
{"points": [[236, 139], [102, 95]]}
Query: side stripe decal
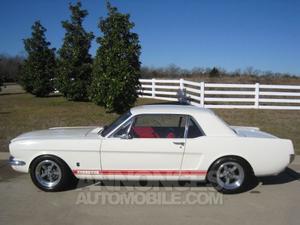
{"points": [[140, 172]]}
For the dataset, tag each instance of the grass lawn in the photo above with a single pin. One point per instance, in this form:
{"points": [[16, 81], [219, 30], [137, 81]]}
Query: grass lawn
{"points": [[21, 112]]}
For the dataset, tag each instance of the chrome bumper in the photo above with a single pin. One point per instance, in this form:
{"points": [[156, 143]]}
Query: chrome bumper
{"points": [[292, 158], [13, 162]]}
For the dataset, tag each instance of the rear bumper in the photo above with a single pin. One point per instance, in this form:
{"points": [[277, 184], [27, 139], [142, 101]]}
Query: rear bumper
{"points": [[14, 162], [292, 158]]}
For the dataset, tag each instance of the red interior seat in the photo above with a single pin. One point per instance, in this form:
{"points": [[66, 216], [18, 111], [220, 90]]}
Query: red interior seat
{"points": [[171, 135], [145, 132]]}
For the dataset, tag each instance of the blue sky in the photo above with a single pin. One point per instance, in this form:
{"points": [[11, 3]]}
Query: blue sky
{"points": [[232, 34]]}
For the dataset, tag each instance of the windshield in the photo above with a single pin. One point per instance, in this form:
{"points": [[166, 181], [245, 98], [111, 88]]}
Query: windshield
{"points": [[115, 124]]}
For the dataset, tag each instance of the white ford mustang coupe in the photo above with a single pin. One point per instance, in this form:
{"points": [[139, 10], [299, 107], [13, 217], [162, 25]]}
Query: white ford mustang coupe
{"points": [[158, 142]]}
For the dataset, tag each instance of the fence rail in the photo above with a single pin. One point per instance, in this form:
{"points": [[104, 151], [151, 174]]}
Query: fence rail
{"points": [[213, 95]]}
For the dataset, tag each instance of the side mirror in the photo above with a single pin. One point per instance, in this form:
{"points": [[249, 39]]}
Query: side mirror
{"points": [[125, 136]]}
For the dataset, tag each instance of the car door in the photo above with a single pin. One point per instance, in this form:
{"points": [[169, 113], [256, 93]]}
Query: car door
{"points": [[195, 147], [148, 144]]}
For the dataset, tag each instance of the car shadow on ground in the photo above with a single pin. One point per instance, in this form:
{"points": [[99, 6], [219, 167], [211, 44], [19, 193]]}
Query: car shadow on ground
{"points": [[287, 176]]}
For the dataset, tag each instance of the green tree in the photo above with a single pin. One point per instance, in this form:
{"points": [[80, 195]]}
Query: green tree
{"points": [[10, 67], [1, 81], [75, 62], [214, 72], [38, 70], [116, 68]]}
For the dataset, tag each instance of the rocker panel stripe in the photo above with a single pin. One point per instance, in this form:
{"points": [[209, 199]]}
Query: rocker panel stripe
{"points": [[140, 172]]}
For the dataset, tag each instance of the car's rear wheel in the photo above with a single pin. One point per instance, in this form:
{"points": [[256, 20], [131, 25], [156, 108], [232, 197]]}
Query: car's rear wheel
{"points": [[50, 173], [230, 175]]}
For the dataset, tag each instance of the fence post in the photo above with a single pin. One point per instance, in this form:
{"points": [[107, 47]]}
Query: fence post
{"points": [[202, 86], [181, 84], [182, 96], [153, 87], [256, 103]]}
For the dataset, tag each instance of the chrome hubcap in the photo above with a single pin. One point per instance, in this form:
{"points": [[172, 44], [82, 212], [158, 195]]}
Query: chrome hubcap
{"points": [[48, 173], [230, 175]]}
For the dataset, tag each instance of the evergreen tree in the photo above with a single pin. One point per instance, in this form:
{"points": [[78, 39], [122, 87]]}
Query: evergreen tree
{"points": [[214, 72], [116, 68], [38, 70], [1, 81], [75, 62]]}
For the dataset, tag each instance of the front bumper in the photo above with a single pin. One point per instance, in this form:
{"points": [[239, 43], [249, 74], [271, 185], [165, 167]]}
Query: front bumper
{"points": [[14, 162]]}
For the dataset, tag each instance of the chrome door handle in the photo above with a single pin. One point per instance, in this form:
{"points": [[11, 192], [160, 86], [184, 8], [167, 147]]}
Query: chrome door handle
{"points": [[178, 143]]}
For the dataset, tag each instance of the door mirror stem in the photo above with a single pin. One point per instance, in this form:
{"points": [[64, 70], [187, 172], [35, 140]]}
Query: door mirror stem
{"points": [[126, 136]]}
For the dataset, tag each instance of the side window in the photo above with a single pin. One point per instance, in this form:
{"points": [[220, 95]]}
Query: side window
{"points": [[122, 130], [159, 126], [193, 129]]}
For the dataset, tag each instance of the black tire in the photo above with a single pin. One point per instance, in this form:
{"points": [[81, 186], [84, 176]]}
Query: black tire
{"points": [[223, 176], [41, 177]]}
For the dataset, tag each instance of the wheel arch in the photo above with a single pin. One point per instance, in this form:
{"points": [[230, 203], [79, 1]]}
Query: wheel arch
{"points": [[230, 156], [49, 155]]}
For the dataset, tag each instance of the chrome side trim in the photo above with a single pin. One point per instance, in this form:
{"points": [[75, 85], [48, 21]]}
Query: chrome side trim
{"points": [[13, 162]]}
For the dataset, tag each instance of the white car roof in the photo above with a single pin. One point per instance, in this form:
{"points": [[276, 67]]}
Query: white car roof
{"points": [[172, 109]]}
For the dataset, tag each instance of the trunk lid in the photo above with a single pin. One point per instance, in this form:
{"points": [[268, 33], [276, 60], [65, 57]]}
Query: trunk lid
{"points": [[251, 132]]}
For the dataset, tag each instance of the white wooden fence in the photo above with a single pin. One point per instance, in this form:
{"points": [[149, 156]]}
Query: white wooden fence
{"points": [[217, 95]]}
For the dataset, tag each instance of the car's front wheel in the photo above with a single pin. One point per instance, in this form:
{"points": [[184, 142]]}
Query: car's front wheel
{"points": [[230, 175], [50, 173]]}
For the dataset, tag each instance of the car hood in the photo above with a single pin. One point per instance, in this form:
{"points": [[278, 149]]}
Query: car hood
{"points": [[59, 133]]}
